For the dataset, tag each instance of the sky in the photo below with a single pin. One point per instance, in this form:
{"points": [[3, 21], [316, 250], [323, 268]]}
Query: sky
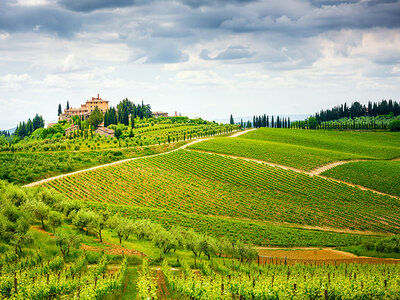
{"points": [[206, 58]]}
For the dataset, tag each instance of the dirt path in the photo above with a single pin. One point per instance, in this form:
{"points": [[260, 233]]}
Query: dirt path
{"points": [[241, 132], [323, 168]]}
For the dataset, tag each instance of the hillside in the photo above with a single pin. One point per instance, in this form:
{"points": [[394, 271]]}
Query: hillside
{"points": [[216, 186], [306, 149], [383, 176]]}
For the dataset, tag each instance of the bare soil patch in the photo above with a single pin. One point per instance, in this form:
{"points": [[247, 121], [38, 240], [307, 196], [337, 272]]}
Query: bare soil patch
{"points": [[315, 256], [113, 250], [41, 230]]}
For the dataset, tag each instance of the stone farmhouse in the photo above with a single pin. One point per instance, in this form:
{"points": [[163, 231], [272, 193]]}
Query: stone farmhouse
{"points": [[157, 114], [84, 112], [86, 109]]}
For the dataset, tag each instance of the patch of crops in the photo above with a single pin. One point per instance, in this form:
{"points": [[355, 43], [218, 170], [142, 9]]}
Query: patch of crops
{"points": [[383, 176], [208, 184], [235, 280], [300, 157], [378, 145], [248, 231], [33, 278]]}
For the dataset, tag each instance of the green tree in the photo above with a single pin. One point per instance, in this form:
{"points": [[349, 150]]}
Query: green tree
{"points": [[312, 123], [394, 125], [231, 121], [95, 118], [38, 209], [67, 104], [66, 241], [59, 110], [54, 219]]}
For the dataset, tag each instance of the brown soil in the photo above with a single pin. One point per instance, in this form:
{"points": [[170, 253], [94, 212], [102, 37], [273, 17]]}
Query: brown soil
{"points": [[315, 255], [162, 289], [305, 253], [113, 250], [41, 230]]}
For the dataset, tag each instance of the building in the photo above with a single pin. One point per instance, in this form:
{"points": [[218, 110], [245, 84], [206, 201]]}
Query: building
{"points": [[86, 109], [157, 114], [104, 131], [69, 130]]}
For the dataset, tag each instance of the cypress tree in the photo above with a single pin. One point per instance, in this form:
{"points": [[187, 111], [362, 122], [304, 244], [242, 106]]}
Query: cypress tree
{"points": [[231, 121], [59, 110], [67, 104]]}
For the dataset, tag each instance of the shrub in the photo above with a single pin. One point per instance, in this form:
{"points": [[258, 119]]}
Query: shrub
{"points": [[394, 125]]}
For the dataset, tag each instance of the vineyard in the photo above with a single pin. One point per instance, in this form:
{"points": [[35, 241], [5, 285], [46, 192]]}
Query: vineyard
{"points": [[248, 231], [300, 157], [206, 184], [22, 168], [137, 137], [377, 145], [383, 176], [226, 279], [33, 277]]}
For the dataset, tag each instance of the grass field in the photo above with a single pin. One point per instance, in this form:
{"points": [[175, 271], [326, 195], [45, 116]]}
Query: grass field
{"points": [[383, 176], [207, 184], [306, 149]]}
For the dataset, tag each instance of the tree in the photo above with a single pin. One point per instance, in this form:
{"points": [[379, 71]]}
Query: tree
{"points": [[67, 104], [54, 220], [231, 121], [67, 241], [59, 110], [312, 123], [98, 222], [96, 118], [38, 209], [166, 241], [394, 125], [192, 241], [208, 246]]}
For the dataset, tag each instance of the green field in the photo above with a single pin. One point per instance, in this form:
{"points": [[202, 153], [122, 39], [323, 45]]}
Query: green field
{"points": [[208, 184], [300, 157], [22, 168], [383, 176], [378, 145], [306, 149]]}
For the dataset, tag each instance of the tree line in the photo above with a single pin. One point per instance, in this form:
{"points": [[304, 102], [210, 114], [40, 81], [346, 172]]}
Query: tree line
{"points": [[20, 208], [126, 111], [26, 128], [356, 109], [264, 121]]}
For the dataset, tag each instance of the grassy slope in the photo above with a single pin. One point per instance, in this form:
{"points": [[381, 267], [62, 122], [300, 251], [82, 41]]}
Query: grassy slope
{"points": [[301, 157], [265, 234], [383, 176], [22, 168], [378, 145], [213, 185], [306, 149]]}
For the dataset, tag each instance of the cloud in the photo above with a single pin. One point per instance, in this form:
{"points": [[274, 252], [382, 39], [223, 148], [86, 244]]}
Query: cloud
{"points": [[91, 5], [231, 53], [165, 55]]}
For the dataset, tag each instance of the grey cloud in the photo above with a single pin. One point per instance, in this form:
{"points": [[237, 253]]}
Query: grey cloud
{"points": [[41, 19], [91, 5], [165, 56], [231, 53]]}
